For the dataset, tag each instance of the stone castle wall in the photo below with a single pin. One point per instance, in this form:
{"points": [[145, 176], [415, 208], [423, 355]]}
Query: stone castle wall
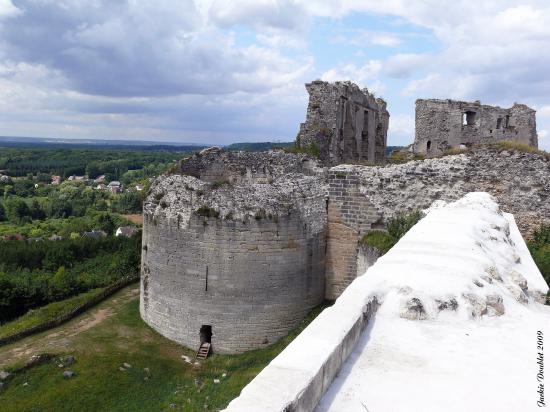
{"points": [[347, 124], [443, 124], [216, 165], [247, 258], [362, 198]]}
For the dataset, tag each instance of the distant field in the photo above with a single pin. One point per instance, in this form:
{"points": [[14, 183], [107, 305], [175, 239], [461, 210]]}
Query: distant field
{"points": [[105, 338], [134, 218]]}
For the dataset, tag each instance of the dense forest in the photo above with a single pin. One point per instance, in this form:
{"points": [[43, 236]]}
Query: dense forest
{"points": [[26, 205], [30, 205], [113, 163], [37, 273]]}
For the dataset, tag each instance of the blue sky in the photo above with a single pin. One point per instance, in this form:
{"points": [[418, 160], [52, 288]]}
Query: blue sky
{"points": [[218, 71]]}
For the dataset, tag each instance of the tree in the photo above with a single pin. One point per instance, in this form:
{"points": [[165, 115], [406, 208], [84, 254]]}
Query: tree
{"points": [[36, 210], [105, 222], [16, 210], [58, 256], [93, 170], [2, 212], [44, 177], [62, 284]]}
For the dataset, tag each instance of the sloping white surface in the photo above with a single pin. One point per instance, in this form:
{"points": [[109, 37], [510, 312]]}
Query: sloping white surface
{"points": [[463, 359]]}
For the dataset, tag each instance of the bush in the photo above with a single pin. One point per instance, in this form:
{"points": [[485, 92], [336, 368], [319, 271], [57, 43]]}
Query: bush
{"points": [[397, 227], [380, 240], [206, 211], [539, 247]]}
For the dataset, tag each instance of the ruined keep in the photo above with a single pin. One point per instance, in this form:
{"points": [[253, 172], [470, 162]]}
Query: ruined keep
{"points": [[233, 248], [344, 123], [445, 124]]}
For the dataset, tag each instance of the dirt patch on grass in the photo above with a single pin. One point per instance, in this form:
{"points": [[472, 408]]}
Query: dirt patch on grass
{"points": [[61, 338], [136, 219]]}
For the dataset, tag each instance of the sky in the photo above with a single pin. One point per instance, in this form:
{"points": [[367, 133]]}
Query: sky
{"points": [[220, 71]]}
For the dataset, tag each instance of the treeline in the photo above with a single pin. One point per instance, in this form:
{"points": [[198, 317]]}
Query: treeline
{"points": [[35, 274], [19, 210], [94, 162], [539, 247], [22, 202]]}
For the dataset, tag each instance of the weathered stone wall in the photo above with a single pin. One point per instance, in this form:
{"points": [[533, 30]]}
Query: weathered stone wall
{"points": [[443, 124], [363, 198], [217, 165], [346, 124], [247, 259]]}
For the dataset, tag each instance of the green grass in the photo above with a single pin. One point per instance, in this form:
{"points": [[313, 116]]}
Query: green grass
{"points": [[403, 156], [47, 313], [380, 240], [539, 246], [520, 147], [100, 386], [397, 227], [454, 151]]}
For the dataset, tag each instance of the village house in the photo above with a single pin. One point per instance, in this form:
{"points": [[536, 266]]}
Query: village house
{"points": [[126, 231], [115, 187]]}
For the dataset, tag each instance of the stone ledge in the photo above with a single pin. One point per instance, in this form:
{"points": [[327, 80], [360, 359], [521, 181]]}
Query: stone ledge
{"points": [[297, 379]]}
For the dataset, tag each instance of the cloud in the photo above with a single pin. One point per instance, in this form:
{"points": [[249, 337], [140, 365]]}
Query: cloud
{"points": [[361, 75], [141, 49], [7, 9], [259, 14], [403, 65], [543, 111], [221, 71], [365, 37]]}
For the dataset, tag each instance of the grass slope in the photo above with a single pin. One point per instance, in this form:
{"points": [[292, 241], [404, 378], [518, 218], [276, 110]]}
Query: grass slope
{"points": [[47, 313], [170, 383]]}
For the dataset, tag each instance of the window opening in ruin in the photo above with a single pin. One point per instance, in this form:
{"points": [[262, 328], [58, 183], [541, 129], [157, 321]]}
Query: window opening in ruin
{"points": [[507, 123], [206, 334], [499, 122], [429, 145], [206, 281], [469, 118]]}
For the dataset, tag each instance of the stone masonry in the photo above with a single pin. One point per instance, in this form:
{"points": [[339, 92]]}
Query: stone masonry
{"points": [[362, 198], [345, 123], [242, 251], [244, 244], [445, 124]]}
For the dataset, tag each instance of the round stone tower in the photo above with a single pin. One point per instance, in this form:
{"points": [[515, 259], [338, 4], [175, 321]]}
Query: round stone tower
{"points": [[234, 248]]}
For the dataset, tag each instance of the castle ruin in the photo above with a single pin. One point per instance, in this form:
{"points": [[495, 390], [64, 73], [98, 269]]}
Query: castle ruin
{"points": [[446, 124], [344, 123], [234, 248], [239, 246]]}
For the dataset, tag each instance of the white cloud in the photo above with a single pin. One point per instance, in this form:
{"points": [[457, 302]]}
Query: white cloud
{"points": [[7, 9], [361, 75], [402, 124], [259, 14], [543, 111], [403, 65], [362, 38], [168, 68]]}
